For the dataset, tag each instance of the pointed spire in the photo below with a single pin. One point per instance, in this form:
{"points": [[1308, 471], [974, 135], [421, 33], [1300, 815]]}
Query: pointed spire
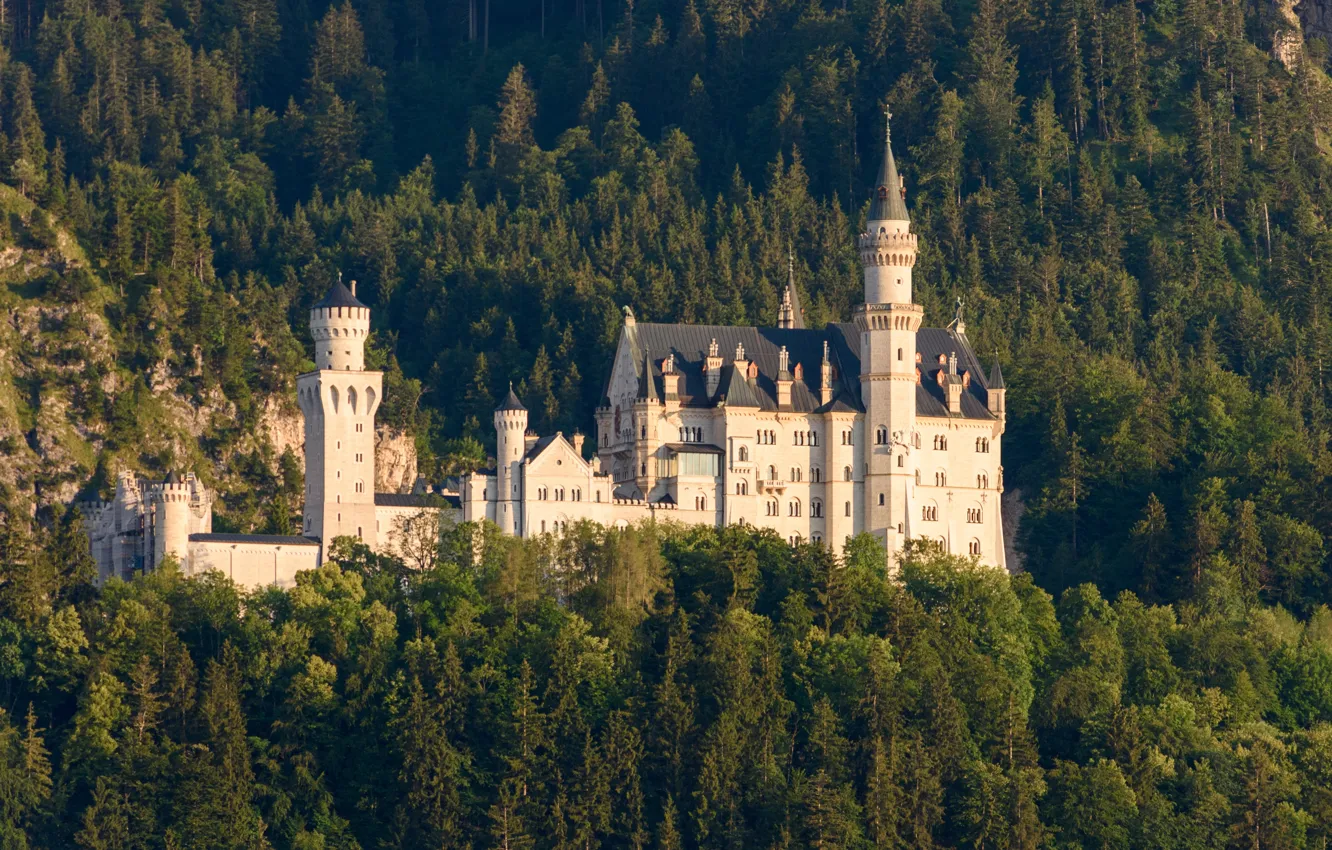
{"points": [[889, 191], [647, 387], [511, 401], [996, 376]]}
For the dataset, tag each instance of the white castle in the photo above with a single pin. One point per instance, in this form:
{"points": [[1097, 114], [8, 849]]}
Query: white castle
{"points": [[877, 425]]}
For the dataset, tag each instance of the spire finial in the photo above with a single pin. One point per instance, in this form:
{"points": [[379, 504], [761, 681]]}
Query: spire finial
{"points": [[887, 122]]}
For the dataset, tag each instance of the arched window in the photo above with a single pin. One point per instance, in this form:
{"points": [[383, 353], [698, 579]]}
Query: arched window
{"points": [[700, 503], [642, 431], [813, 438], [973, 548], [847, 509], [941, 479], [772, 473], [983, 481], [744, 453], [929, 513], [880, 500], [846, 473], [577, 494], [797, 473], [816, 475], [541, 494], [816, 538], [816, 508], [880, 436], [974, 515], [773, 508], [794, 508], [741, 488]]}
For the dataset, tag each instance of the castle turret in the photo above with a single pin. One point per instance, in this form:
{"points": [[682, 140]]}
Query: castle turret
{"points": [[888, 322], [340, 325], [994, 393], [789, 314], [179, 507], [510, 446], [339, 400]]}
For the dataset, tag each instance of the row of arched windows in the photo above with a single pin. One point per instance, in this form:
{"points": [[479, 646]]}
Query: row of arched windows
{"points": [[691, 435], [940, 442], [575, 495], [806, 438], [767, 438], [982, 445]]}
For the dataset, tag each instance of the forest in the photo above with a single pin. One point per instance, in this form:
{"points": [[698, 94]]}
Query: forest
{"points": [[1129, 198]]}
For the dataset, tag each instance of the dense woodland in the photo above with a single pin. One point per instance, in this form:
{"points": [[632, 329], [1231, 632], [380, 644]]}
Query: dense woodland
{"points": [[1130, 198]]}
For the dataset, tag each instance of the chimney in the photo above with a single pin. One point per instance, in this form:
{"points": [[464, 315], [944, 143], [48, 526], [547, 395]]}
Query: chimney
{"points": [[353, 289], [825, 378], [578, 442], [783, 379], [529, 440], [670, 377], [712, 369]]}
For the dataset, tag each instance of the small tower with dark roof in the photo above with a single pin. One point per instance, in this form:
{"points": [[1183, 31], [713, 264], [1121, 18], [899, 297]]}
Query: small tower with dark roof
{"points": [[340, 325], [995, 391], [510, 446], [338, 401], [789, 314]]}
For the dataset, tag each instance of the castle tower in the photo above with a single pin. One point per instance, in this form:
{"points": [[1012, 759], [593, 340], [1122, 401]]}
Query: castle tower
{"points": [[338, 401], [178, 507], [888, 322], [510, 446], [789, 314]]}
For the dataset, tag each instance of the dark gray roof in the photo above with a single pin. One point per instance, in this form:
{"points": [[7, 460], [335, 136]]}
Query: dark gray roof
{"points": [[695, 448], [689, 344], [539, 446], [416, 500], [888, 203], [272, 539], [996, 377], [338, 296], [511, 401], [173, 477]]}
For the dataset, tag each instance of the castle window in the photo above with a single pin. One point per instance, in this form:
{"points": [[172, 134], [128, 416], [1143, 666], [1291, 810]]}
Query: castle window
{"points": [[598, 496], [605, 439], [847, 509], [358, 531], [541, 494], [772, 508], [973, 548], [918, 476], [941, 479], [899, 351], [940, 442], [772, 473], [880, 436], [982, 445], [543, 526], [846, 473], [744, 453], [700, 503], [816, 508], [816, 538], [901, 460], [973, 515], [929, 513], [880, 500], [360, 486], [982, 481], [577, 495], [742, 488], [642, 469], [816, 475], [559, 494], [795, 473], [794, 508]]}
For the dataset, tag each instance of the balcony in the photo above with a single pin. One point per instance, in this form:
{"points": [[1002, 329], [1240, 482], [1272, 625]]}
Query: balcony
{"points": [[771, 485]]}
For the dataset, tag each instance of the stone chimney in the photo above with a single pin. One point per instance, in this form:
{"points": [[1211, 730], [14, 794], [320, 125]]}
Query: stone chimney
{"points": [[783, 379], [741, 363], [825, 378], [578, 442], [712, 367], [670, 377], [954, 386], [353, 289], [530, 439]]}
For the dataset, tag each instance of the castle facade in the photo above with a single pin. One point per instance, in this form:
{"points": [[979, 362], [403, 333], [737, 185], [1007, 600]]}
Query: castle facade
{"points": [[875, 425]]}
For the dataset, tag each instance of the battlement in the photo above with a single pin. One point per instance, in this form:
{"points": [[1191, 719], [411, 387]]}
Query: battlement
{"points": [[888, 248]]}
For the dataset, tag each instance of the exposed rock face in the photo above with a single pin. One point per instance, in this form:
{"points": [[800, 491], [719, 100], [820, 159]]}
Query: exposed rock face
{"points": [[284, 429], [1314, 15], [1288, 34], [395, 461]]}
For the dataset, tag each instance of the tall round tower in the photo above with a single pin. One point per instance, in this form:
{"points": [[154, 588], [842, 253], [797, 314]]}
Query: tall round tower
{"points": [[888, 322], [510, 445], [338, 401], [170, 502]]}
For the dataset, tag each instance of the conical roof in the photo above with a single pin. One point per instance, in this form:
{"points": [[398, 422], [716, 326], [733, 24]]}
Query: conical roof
{"points": [[888, 204], [996, 377], [338, 296], [511, 401], [173, 477], [793, 295]]}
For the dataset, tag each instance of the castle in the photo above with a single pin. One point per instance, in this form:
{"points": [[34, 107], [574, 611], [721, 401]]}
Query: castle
{"points": [[146, 520], [876, 425]]}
